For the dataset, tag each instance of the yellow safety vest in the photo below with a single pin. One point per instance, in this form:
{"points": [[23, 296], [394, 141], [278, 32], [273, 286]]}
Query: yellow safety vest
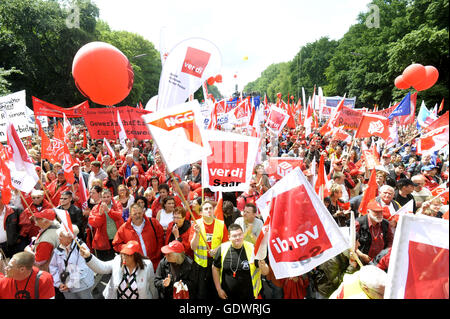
{"points": [[201, 253], [254, 272]]}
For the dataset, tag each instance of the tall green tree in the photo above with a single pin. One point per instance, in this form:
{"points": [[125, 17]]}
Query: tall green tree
{"points": [[36, 39]]}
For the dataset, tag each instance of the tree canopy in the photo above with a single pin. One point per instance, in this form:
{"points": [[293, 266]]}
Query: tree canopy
{"points": [[367, 59]]}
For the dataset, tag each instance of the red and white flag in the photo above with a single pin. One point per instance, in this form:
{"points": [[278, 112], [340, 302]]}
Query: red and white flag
{"points": [[83, 192], [320, 186], [23, 171], [439, 122], [372, 124], [276, 120], [419, 262], [109, 148], [308, 118], [433, 141], [66, 221], [229, 167], [442, 192], [299, 240], [122, 132], [67, 126], [178, 132]]}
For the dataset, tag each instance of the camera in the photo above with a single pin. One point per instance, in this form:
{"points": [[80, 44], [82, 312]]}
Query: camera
{"points": [[63, 276]]}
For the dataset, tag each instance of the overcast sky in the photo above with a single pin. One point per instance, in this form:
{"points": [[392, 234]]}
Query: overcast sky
{"points": [[265, 31]]}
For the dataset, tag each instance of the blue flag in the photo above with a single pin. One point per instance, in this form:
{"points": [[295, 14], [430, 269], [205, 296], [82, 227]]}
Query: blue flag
{"points": [[404, 108]]}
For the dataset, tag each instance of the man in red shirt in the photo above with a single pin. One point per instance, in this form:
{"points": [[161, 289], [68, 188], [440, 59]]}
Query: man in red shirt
{"points": [[374, 232], [20, 280]]}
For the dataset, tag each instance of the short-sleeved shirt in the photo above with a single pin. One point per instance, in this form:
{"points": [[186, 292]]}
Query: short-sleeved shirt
{"points": [[8, 288], [240, 285]]}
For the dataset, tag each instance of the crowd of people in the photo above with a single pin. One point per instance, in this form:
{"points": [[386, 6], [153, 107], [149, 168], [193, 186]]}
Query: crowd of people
{"points": [[143, 235]]}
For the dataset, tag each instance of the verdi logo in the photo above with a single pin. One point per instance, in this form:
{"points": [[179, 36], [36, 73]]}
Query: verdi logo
{"points": [[195, 62], [376, 127]]}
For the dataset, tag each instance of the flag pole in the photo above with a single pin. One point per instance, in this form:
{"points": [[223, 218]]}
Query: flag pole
{"points": [[186, 203], [53, 206]]}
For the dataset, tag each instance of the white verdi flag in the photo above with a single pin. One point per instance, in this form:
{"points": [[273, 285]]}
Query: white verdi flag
{"points": [[418, 266], [189, 64], [178, 132], [302, 232], [229, 167], [23, 171]]}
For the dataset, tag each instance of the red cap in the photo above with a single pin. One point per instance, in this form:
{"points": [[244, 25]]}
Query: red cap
{"points": [[283, 143], [130, 248], [46, 213], [173, 247], [373, 205]]}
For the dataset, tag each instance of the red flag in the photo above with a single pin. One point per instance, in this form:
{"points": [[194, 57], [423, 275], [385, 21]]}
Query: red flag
{"points": [[372, 124], [218, 210], [291, 121], [67, 166], [370, 193], [85, 138], [321, 182]]}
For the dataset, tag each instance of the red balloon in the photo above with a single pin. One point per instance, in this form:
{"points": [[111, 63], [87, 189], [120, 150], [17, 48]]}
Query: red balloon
{"points": [[102, 73], [400, 83], [292, 97], [414, 74], [211, 80], [235, 76], [279, 95], [218, 78], [432, 75]]}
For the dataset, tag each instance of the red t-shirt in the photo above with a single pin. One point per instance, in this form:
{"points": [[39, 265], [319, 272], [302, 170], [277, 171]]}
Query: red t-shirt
{"points": [[209, 229], [43, 252], [46, 289]]}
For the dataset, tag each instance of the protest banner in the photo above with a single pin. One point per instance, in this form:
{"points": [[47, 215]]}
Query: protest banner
{"points": [[298, 240], [42, 108], [102, 123], [229, 167], [419, 262], [188, 65], [13, 108], [348, 118], [179, 134]]}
